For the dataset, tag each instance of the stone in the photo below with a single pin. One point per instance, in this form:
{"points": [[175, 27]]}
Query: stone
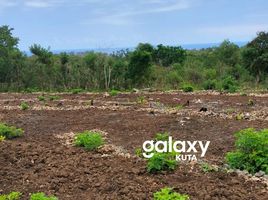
{"points": [[260, 174]]}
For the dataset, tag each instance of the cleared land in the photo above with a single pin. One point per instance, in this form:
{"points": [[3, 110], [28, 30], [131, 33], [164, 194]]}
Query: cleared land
{"points": [[44, 159]]}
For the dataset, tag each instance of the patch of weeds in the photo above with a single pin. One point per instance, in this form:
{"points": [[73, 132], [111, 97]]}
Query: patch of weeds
{"points": [[250, 102], [188, 88], [239, 116], [41, 98], [42, 196], [251, 152], [243, 94], [24, 106], [53, 97], [138, 152], [141, 100], [169, 194], [161, 162], [76, 91], [2, 138], [9, 132], [113, 92], [230, 110], [11, 196], [162, 136], [89, 140], [208, 168], [178, 107]]}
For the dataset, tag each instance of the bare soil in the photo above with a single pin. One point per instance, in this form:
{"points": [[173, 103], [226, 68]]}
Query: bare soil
{"points": [[41, 161]]}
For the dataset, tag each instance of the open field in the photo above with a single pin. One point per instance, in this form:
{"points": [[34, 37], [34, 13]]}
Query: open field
{"points": [[44, 159]]}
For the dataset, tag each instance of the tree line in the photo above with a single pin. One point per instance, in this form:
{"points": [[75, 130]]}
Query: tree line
{"points": [[226, 67]]}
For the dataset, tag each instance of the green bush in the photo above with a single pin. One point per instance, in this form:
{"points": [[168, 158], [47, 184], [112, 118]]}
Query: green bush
{"points": [[187, 88], [52, 98], [229, 84], [169, 194], [161, 162], [113, 92], [251, 152], [208, 168], [89, 140], [41, 98], [161, 137], [210, 84], [24, 106], [2, 138], [76, 91], [9, 131], [42, 196], [11, 196]]}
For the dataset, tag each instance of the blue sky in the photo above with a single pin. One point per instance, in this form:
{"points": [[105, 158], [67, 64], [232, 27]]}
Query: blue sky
{"points": [[83, 24]]}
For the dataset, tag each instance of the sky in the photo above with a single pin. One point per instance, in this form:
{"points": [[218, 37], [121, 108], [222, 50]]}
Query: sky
{"points": [[85, 24]]}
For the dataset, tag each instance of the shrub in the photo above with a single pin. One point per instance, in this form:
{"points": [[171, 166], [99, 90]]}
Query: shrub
{"points": [[229, 84], [24, 106], [42, 196], [162, 161], [89, 140], [2, 138], [52, 98], [76, 91], [187, 88], [113, 92], [210, 84], [11, 196], [208, 168], [41, 98], [161, 137], [251, 152], [169, 194], [9, 131]]}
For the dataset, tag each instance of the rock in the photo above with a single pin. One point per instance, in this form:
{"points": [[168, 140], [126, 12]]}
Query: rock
{"points": [[247, 116], [259, 174], [265, 176], [203, 109]]}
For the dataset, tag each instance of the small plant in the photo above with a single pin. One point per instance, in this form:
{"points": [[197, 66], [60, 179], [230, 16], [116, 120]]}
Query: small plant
{"points": [[161, 137], [250, 102], [24, 106], [42, 196], [113, 93], [229, 84], [52, 98], [2, 138], [187, 88], [162, 161], [239, 116], [11, 196], [178, 107], [169, 194], [41, 98], [208, 168], [89, 140], [76, 91], [138, 152], [251, 152], [210, 84], [141, 100], [9, 131], [230, 110]]}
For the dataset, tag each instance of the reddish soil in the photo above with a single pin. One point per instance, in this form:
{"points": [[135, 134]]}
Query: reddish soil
{"points": [[39, 161]]}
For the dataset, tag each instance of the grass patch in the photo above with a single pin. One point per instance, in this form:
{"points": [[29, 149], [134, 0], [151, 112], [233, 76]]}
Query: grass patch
{"points": [[251, 152], [113, 92], [89, 140], [53, 97], [11, 196], [24, 106], [169, 194], [41, 98], [9, 132], [42, 196]]}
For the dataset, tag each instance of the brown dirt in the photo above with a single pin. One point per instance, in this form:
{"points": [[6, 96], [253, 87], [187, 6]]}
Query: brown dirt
{"points": [[39, 160]]}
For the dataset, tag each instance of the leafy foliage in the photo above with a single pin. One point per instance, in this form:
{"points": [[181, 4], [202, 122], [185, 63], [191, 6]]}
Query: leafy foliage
{"points": [[169, 194], [11, 196], [162, 161], [187, 88], [113, 92], [251, 152], [89, 140], [42, 196], [10, 132], [162, 137], [207, 168], [24, 106], [41, 98]]}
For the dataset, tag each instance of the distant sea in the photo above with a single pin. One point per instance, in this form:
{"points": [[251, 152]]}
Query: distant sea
{"points": [[111, 50]]}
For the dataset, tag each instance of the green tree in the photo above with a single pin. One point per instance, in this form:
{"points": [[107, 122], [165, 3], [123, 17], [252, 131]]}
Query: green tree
{"points": [[255, 56]]}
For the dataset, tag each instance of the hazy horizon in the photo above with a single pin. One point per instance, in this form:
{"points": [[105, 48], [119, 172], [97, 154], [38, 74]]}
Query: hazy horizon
{"points": [[93, 24]]}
